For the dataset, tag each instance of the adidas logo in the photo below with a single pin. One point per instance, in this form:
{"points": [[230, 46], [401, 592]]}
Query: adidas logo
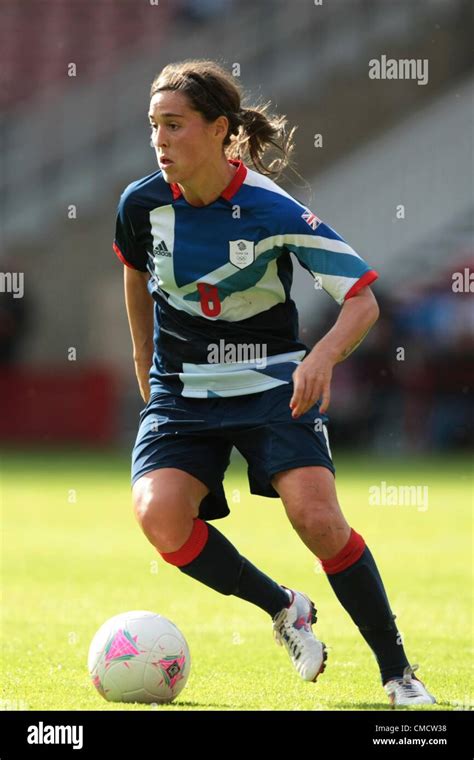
{"points": [[161, 249]]}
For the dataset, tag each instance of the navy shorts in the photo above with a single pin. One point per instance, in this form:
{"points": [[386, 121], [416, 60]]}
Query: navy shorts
{"points": [[197, 435]]}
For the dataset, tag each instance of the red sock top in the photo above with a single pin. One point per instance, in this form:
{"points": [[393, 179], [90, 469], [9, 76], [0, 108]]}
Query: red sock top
{"points": [[346, 557], [191, 548]]}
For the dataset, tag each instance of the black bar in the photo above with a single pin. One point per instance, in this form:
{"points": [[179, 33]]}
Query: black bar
{"points": [[151, 732]]}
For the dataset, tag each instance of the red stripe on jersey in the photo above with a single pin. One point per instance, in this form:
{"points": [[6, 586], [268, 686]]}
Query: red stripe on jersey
{"points": [[236, 180], [176, 190], [366, 279], [231, 189], [193, 546], [346, 557], [121, 256]]}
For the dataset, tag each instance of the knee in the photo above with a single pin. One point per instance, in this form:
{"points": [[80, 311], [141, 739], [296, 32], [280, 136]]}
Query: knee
{"points": [[314, 517], [145, 507], [166, 522]]}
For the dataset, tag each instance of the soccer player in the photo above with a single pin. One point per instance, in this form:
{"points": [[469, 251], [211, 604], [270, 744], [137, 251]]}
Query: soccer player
{"points": [[206, 241]]}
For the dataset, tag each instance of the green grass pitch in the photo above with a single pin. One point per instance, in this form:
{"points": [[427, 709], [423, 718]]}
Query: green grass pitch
{"points": [[73, 556]]}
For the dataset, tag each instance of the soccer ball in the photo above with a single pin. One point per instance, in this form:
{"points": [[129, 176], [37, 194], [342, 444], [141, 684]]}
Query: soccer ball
{"points": [[139, 656]]}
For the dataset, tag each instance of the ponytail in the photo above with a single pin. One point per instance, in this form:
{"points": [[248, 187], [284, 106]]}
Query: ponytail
{"points": [[213, 91]]}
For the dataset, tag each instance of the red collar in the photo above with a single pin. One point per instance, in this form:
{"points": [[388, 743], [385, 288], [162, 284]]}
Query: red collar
{"points": [[229, 191]]}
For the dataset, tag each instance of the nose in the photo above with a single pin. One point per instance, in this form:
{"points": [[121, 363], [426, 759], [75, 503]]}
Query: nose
{"points": [[160, 137]]}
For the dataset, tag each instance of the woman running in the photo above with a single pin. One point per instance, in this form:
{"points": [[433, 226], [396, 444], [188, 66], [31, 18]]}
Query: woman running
{"points": [[206, 241]]}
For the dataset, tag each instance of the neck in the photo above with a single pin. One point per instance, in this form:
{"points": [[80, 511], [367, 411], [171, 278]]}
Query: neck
{"points": [[207, 184]]}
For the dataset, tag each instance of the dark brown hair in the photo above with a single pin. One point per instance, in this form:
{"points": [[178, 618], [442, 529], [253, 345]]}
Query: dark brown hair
{"points": [[213, 91]]}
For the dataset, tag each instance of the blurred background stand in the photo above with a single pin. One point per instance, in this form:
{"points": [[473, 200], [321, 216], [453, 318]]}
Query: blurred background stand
{"points": [[393, 176]]}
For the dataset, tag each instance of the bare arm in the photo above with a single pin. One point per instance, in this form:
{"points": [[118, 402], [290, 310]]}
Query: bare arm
{"points": [[355, 319], [313, 377], [139, 305]]}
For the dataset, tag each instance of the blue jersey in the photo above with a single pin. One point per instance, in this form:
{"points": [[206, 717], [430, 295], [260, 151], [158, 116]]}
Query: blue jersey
{"points": [[221, 274]]}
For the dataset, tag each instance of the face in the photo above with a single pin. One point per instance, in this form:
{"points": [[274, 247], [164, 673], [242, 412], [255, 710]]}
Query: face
{"points": [[182, 136]]}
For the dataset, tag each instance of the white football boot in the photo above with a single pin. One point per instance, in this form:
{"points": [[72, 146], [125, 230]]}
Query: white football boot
{"points": [[292, 629], [408, 690]]}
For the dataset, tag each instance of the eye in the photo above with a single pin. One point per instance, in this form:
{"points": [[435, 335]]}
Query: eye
{"points": [[173, 126]]}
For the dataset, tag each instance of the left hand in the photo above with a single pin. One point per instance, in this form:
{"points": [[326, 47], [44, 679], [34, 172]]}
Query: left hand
{"points": [[311, 381]]}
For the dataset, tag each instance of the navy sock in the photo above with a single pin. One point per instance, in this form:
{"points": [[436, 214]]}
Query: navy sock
{"points": [[361, 592], [258, 588], [210, 558]]}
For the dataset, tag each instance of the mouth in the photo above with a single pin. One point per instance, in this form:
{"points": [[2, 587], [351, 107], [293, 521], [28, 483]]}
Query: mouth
{"points": [[165, 162]]}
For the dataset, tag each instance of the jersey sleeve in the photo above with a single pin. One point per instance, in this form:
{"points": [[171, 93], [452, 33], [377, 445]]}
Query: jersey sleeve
{"points": [[338, 269], [128, 249]]}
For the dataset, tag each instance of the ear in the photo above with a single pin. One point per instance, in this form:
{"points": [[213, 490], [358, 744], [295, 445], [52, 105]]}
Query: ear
{"points": [[221, 126]]}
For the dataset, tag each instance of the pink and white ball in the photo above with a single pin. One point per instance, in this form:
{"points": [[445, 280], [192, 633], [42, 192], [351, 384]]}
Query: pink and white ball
{"points": [[139, 656]]}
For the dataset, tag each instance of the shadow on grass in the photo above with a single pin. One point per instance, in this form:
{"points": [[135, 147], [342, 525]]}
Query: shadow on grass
{"points": [[195, 706], [387, 707]]}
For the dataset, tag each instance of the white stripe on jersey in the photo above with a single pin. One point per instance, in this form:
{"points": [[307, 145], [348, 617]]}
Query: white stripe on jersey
{"points": [[254, 179], [318, 241], [226, 379], [337, 286]]}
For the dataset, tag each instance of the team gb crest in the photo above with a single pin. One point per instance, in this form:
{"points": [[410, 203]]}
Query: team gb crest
{"points": [[241, 253]]}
